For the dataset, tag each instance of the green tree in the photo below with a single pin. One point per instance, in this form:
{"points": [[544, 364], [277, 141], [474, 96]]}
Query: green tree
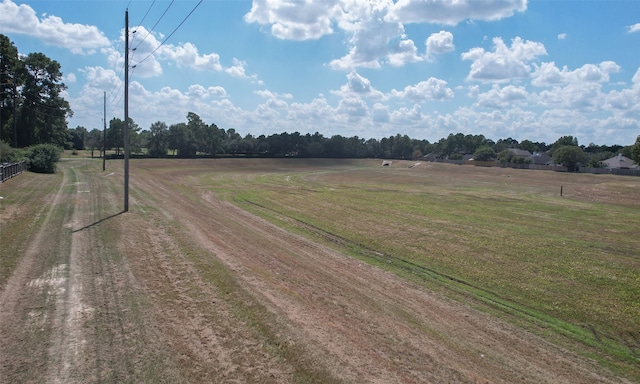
{"points": [[182, 140], [9, 81], [530, 146], [43, 111], [77, 137], [564, 141], [94, 140], [635, 151], [159, 140], [484, 153], [115, 135], [571, 156]]}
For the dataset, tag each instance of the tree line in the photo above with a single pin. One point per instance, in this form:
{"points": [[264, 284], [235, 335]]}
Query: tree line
{"points": [[195, 138], [33, 112]]}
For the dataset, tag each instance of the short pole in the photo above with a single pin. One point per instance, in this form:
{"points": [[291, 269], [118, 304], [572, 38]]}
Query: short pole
{"points": [[561, 191]]}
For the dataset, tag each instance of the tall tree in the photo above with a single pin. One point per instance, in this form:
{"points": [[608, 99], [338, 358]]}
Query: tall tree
{"points": [[635, 151], [571, 156], [115, 135], [159, 140], [94, 140], [43, 110], [564, 141], [9, 82]]}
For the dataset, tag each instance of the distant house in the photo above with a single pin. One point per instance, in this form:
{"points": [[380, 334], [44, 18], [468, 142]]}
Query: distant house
{"points": [[519, 152], [540, 158], [620, 162], [431, 157]]}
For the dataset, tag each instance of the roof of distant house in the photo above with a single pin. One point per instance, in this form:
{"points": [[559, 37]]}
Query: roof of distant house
{"points": [[619, 161], [540, 158], [520, 152]]}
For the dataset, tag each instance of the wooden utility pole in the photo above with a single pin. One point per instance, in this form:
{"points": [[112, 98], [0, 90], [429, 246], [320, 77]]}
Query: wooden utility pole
{"points": [[104, 134], [126, 111]]}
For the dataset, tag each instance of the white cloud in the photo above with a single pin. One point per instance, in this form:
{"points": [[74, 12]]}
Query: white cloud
{"points": [[584, 97], [407, 116], [403, 51], [186, 55], [452, 12], [358, 86], [503, 63], [380, 113], [548, 74], [267, 94], [626, 102], [52, 30], [317, 110], [148, 52], [430, 90], [634, 28], [439, 43], [355, 108], [295, 20], [217, 91], [374, 41], [562, 36], [501, 98]]}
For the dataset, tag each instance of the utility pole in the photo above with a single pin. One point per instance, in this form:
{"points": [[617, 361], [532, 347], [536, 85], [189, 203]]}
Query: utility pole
{"points": [[15, 125], [104, 134], [126, 111]]}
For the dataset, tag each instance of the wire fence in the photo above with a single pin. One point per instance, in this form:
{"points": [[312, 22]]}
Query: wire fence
{"points": [[9, 170]]}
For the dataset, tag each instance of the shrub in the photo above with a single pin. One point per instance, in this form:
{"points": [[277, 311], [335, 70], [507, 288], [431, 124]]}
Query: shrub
{"points": [[10, 155], [484, 153], [42, 158]]}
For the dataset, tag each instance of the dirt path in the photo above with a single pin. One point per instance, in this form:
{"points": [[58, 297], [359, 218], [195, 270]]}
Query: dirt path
{"points": [[70, 313], [188, 288]]}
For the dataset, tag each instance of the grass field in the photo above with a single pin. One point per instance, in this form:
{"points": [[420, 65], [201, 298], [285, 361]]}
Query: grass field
{"points": [[212, 281], [567, 267]]}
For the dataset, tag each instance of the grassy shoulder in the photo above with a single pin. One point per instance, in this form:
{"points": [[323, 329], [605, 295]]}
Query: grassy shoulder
{"points": [[22, 209]]}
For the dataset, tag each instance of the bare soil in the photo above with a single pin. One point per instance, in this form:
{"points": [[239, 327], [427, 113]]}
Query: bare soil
{"points": [[188, 288]]}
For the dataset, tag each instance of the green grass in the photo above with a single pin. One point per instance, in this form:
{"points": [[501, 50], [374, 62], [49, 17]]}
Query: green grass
{"points": [[565, 267]]}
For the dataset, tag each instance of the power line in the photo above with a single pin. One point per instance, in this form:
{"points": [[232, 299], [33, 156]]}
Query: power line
{"points": [[171, 34], [145, 15], [154, 25], [140, 23], [118, 70]]}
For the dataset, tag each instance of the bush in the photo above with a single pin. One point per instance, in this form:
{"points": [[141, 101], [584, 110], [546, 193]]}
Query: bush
{"points": [[10, 155], [484, 153], [42, 158]]}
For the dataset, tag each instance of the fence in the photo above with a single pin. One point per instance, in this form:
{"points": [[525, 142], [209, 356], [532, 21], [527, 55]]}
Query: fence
{"points": [[612, 171], [9, 170], [543, 167]]}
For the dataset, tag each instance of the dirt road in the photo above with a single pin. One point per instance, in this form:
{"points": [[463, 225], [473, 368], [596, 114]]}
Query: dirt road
{"points": [[188, 288]]}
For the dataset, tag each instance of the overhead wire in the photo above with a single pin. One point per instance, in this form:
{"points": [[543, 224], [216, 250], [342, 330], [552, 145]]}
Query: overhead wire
{"points": [[140, 23], [119, 70], [171, 34], [154, 25]]}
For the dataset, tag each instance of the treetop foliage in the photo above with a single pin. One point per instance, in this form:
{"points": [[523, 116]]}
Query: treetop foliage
{"points": [[32, 108]]}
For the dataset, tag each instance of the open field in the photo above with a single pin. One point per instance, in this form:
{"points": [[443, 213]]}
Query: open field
{"points": [[250, 270]]}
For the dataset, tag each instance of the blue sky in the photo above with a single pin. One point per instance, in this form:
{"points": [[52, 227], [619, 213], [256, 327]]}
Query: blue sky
{"points": [[532, 70]]}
